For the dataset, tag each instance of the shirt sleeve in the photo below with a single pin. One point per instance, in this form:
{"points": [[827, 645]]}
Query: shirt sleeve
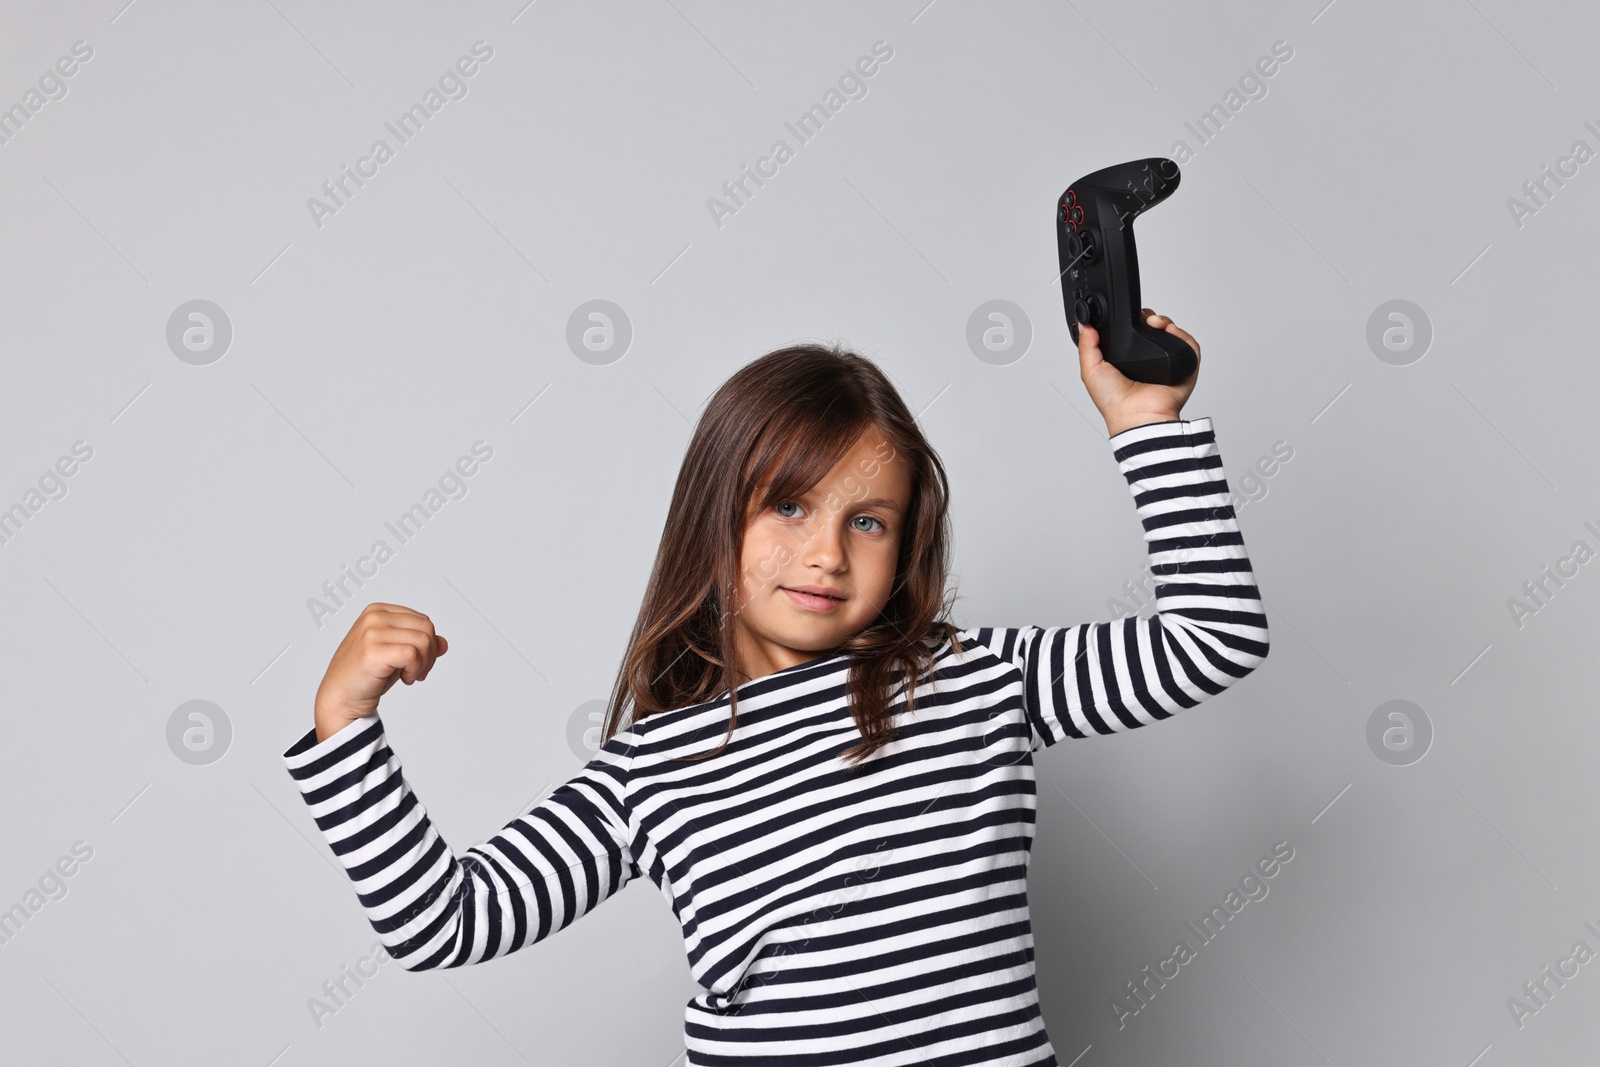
{"points": [[550, 865], [1209, 629]]}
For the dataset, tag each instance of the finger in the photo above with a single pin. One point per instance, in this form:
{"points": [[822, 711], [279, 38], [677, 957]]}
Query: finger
{"points": [[378, 606], [378, 614], [402, 658], [1173, 327], [420, 641], [410, 626], [440, 646], [1089, 357], [404, 618]]}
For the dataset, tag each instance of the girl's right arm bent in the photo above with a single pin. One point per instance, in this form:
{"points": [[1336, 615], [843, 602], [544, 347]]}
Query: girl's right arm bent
{"points": [[549, 866]]}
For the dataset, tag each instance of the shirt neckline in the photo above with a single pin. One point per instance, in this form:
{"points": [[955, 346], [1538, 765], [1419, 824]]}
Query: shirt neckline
{"points": [[772, 678]]}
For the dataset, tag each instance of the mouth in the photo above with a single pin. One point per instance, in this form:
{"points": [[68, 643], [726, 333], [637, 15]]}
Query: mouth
{"points": [[813, 601]]}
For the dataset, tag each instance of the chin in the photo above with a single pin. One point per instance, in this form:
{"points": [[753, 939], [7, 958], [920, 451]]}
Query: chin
{"points": [[820, 639]]}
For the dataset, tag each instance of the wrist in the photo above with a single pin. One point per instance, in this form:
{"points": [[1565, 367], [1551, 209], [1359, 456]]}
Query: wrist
{"points": [[1121, 424], [329, 723]]}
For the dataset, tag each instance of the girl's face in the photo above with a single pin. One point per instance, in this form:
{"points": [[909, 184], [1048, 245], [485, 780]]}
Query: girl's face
{"points": [[842, 536]]}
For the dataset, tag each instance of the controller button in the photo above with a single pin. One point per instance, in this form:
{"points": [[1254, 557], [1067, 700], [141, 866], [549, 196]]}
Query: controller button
{"points": [[1075, 214], [1088, 308], [1080, 246]]}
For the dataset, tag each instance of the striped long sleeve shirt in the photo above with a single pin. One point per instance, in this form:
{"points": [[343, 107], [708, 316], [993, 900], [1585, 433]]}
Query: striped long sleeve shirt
{"points": [[831, 915]]}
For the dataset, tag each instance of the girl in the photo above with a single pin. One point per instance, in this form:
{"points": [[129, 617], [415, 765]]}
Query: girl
{"points": [[829, 782]]}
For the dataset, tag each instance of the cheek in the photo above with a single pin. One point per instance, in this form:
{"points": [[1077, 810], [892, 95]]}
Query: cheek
{"points": [[882, 568], [763, 555]]}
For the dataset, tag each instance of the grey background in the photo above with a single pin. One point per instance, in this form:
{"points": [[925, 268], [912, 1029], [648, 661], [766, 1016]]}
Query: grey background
{"points": [[432, 311]]}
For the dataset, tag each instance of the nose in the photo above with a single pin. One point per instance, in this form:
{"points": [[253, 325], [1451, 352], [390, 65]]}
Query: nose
{"points": [[823, 546]]}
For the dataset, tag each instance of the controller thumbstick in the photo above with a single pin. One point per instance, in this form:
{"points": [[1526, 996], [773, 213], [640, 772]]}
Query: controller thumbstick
{"points": [[1088, 308], [1080, 246]]}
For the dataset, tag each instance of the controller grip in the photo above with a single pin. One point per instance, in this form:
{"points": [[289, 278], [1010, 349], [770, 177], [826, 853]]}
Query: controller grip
{"points": [[1146, 354]]}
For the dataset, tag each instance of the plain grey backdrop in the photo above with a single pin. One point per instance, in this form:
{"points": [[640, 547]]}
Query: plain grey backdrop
{"points": [[224, 383]]}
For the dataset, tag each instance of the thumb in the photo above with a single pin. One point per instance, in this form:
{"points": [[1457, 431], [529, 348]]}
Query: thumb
{"points": [[442, 646], [1089, 356]]}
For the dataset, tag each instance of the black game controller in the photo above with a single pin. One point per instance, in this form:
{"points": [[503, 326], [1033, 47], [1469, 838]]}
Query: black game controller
{"points": [[1100, 268]]}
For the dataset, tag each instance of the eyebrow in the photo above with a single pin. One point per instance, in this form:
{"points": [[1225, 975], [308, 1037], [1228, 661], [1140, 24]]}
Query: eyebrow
{"points": [[877, 502], [870, 502]]}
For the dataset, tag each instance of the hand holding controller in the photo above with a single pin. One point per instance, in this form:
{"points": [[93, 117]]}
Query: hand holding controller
{"points": [[1100, 268]]}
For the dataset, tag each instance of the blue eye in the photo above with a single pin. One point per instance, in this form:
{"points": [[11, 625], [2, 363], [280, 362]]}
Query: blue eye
{"points": [[881, 525]]}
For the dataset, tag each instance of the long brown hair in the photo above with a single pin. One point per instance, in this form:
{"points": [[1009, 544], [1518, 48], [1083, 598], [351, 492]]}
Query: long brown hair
{"points": [[785, 418]]}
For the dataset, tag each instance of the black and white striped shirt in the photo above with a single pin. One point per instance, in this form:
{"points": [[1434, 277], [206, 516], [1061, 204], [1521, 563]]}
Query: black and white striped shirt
{"points": [[832, 915]]}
